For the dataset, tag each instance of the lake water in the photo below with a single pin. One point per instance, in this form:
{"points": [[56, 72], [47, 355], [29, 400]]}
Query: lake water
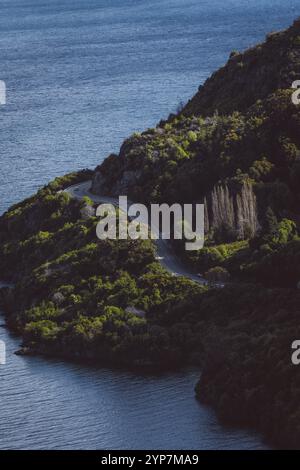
{"points": [[50, 404], [82, 75]]}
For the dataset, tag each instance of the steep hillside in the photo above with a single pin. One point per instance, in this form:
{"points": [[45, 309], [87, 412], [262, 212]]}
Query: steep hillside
{"points": [[191, 159], [236, 147], [251, 75]]}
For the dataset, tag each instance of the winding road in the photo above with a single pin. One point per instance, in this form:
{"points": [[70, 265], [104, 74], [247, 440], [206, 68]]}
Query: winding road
{"points": [[165, 255]]}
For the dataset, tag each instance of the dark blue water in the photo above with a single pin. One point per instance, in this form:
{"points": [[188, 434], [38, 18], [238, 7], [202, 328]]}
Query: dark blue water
{"points": [[84, 74], [81, 76]]}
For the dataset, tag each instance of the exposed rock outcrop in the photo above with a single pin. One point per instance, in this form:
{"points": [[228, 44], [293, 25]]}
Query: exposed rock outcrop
{"points": [[98, 183], [128, 179]]}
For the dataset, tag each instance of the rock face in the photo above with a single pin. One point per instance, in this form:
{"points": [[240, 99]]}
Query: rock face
{"points": [[233, 209], [98, 183], [129, 178], [87, 211], [120, 187]]}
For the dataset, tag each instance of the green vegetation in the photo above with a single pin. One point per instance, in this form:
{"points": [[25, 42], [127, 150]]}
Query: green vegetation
{"points": [[76, 296], [236, 146], [241, 127], [255, 141], [250, 76], [260, 146]]}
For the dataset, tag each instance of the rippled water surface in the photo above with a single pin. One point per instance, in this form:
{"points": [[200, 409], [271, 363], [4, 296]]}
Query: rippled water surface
{"points": [[82, 75]]}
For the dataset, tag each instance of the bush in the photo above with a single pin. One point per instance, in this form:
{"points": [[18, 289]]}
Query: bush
{"points": [[217, 274]]}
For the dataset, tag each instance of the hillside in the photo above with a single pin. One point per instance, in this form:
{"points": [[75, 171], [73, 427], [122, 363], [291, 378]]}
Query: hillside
{"points": [[243, 163], [236, 147], [209, 142], [250, 76]]}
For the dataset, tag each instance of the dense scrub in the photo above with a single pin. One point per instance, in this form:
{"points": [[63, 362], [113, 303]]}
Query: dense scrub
{"points": [[184, 159], [240, 128], [248, 376], [250, 76], [208, 153], [110, 301], [80, 297]]}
